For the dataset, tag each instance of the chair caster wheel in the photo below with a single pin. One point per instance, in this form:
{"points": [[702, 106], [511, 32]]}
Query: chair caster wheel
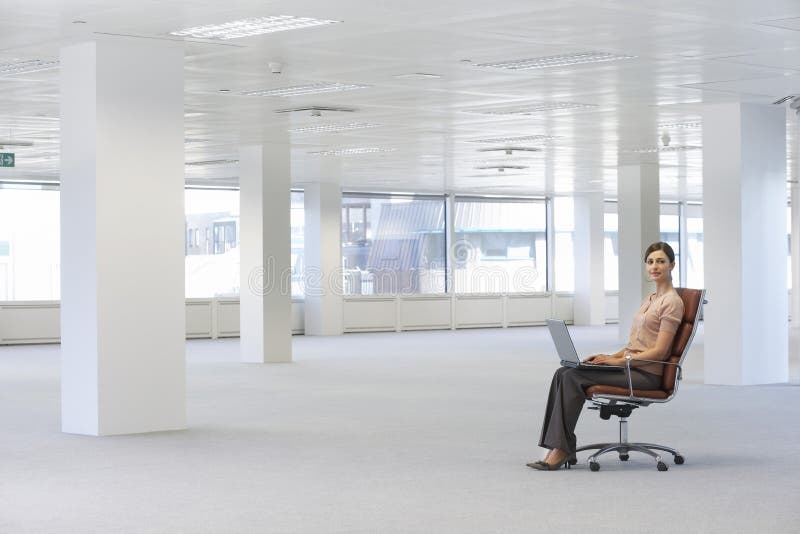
{"points": [[679, 459], [594, 466], [624, 457], [662, 466]]}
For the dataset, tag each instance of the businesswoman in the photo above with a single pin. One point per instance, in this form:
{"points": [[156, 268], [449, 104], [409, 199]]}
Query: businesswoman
{"points": [[652, 331]]}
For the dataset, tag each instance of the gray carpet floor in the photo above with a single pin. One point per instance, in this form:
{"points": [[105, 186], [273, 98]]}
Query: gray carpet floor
{"points": [[424, 432]]}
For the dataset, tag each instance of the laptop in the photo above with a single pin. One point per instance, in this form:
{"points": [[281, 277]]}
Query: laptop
{"points": [[566, 349]]}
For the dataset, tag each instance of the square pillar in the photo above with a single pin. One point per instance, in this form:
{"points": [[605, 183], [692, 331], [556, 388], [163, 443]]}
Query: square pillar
{"points": [[323, 255], [638, 204], [265, 294], [590, 295], [744, 191], [123, 313]]}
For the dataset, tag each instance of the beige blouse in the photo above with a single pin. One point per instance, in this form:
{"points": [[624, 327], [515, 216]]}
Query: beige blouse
{"points": [[656, 314]]}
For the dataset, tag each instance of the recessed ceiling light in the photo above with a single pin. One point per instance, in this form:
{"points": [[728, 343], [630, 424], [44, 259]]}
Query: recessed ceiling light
{"points": [[308, 89], [324, 128], [518, 138], [416, 75], [250, 27], [26, 66], [352, 151], [530, 109], [212, 163], [564, 60]]}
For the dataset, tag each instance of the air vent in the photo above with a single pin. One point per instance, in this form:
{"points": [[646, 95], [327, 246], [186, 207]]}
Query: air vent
{"points": [[510, 149], [315, 110], [785, 99]]}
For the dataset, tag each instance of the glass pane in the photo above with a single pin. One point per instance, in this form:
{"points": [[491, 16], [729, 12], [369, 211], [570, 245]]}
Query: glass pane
{"points": [[30, 233], [694, 246], [789, 250], [393, 245], [611, 251], [670, 234], [212, 244], [500, 246], [298, 223], [564, 260]]}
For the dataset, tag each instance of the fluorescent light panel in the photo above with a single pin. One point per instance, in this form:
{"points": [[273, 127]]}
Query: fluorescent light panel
{"points": [[212, 162], [352, 151], [308, 89], [514, 139], [683, 125], [671, 148], [249, 27], [563, 60], [27, 66], [417, 75], [530, 109], [326, 128]]}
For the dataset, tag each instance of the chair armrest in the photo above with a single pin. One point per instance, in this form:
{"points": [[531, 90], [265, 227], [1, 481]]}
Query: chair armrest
{"points": [[628, 371]]}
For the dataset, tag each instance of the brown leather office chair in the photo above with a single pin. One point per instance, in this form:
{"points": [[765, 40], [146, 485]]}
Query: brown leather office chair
{"points": [[620, 401]]}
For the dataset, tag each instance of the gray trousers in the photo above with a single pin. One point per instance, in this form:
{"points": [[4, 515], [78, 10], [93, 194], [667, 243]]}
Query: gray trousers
{"points": [[567, 395]]}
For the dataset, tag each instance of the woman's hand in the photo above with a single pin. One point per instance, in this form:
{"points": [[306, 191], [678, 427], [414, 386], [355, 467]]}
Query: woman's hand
{"points": [[605, 359]]}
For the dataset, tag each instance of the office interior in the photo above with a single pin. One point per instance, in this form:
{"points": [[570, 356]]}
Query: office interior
{"points": [[285, 266]]}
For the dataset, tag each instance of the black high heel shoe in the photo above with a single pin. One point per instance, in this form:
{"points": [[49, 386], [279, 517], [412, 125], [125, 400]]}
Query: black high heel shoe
{"points": [[541, 465]]}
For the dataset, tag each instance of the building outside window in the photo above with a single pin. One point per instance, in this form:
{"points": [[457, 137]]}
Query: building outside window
{"points": [[30, 233], [610, 246], [298, 225], [694, 246], [393, 244], [670, 228], [500, 246], [212, 243], [564, 230]]}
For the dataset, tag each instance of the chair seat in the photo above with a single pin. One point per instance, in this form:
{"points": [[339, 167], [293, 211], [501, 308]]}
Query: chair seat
{"points": [[614, 390]]}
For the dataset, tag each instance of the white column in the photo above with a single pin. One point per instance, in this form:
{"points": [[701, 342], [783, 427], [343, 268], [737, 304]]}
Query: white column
{"points": [[744, 211], [590, 296], [265, 293], [638, 192], [122, 244], [323, 259]]}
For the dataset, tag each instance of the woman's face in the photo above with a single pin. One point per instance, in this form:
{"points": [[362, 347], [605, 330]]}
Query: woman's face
{"points": [[658, 266]]}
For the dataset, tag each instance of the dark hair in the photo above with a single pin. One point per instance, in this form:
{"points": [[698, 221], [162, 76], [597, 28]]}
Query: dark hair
{"points": [[664, 247]]}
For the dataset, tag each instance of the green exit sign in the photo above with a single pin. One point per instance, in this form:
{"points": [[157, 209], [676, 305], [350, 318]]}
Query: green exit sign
{"points": [[6, 159]]}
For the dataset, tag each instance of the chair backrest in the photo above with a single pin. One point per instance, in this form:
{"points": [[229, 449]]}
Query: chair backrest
{"points": [[692, 303]]}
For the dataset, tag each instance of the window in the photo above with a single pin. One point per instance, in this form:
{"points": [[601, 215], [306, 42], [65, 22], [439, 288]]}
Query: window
{"points": [[669, 225], [564, 226], [789, 250], [500, 246], [694, 246], [611, 247], [30, 233], [298, 225], [212, 264], [393, 244]]}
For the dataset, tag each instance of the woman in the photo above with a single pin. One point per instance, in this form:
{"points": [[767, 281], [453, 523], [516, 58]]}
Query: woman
{"points": [[652, 331]]}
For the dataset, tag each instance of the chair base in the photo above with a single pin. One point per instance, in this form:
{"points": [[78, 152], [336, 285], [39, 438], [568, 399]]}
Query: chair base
{"points": [[623, 448]]}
